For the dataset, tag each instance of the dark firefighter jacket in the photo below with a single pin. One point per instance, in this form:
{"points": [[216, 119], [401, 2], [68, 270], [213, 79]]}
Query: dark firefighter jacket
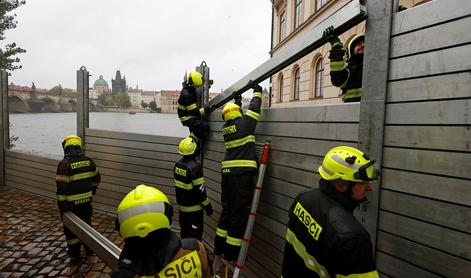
{"points": [[324, 237], [239, 140], [346, 76], [189, 185], [77, 179], [188, 109], [162, 254]]}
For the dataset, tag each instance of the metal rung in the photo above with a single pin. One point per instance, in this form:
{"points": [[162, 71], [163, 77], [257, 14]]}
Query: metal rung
{"points": [[100, 245], [345, 18]]}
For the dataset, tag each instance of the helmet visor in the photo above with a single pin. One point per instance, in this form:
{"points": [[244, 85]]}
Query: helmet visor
{"points": [[367, 172]]}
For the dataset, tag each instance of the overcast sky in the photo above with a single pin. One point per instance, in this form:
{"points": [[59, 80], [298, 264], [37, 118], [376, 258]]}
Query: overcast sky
{"points": [[152, 42]]}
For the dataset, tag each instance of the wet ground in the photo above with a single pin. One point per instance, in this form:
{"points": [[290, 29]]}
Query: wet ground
{"points": [[32, 242]]}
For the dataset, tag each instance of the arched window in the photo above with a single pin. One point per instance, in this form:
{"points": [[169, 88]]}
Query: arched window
{"points": [[280, 95], [319, 88], [297, 81]]}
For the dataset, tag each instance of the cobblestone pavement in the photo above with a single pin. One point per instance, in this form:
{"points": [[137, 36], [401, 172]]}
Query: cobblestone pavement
{"points": [[32, 242]]}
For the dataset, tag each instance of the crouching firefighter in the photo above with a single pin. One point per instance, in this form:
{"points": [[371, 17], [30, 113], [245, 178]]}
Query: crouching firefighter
{"points": [[323, 238], [151, 249], [239, 169], [190, 191], [77, 179], [190, 114]]}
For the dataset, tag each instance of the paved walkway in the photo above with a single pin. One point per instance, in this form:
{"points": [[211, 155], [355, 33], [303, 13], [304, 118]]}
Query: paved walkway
{"points": [[32, 242]]}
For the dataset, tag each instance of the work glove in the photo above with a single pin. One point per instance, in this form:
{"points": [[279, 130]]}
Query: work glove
{"points": [[238, 99], [208, 209], [329, 35], [208, 108], [256, 88]]}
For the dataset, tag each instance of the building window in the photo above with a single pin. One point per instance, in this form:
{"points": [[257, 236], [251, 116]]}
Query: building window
{"points": [[297, 13], [280, 96], [320, 4], [282, 26], [297, 79], [319, 78]]}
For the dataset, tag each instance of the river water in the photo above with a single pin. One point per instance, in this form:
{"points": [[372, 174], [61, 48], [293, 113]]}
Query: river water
{"points": [[42, 133]]}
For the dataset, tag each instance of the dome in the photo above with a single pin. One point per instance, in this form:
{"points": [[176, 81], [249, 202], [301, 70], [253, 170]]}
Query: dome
{"points": [[100, 82]]}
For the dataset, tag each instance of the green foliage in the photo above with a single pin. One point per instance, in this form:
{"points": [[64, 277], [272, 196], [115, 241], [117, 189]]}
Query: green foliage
{"points": [[123, 100], [144, 104], [153, 106], [59, 91], [8, 59], [105, 100], [13, 138]]}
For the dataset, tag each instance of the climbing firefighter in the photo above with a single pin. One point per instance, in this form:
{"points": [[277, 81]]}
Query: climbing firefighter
{"points": [[77, 180], [346, 66], [323, 238], [190, 191], [239, 168], [151, 249], [189, 113]]}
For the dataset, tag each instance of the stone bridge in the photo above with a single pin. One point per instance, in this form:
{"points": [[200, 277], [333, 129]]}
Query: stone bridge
{"points": [[23, 102]]}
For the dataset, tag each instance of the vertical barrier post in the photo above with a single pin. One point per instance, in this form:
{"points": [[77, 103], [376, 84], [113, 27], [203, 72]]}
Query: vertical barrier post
{"points": [[373, 100], [4, 122], [82, 102]]}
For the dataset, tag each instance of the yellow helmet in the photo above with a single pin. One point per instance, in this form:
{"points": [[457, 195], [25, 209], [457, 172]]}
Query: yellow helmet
{"points": [[187, 146], [231, 111], [143, 210], [72, 140], [194, 79], [348, 164]]}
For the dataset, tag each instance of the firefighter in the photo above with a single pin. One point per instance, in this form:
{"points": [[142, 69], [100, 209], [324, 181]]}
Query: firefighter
{"points": [[151, 249], [346, 66], [190, 191], [239, 168], [323, 237], [189, 113], [77, 180]]}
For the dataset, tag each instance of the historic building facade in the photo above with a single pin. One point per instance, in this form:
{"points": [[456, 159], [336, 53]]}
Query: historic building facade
{"points": [[118, 84]]}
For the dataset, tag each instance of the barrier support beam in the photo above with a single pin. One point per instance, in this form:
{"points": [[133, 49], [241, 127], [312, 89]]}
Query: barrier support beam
{"points": [[4, 122], [82, 102]]}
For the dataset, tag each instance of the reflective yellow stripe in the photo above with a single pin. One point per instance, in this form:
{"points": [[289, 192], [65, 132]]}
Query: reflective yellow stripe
{"points": [[79, 196], [337, 66], [198, 181], [239, 163], [240, 142], [346, 80], [61, 197], [75, 177], [220, 232], [181, 107], [186, 186], [233, 241], [310, 262], [371, 274], [205, 202], [191, 107], [352, 93], [202, 111], [73, 241], [257, 94], [189, 208], [253, 114], [186, 118]]}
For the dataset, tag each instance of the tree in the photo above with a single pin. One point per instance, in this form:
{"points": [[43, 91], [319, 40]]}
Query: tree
{"points": [[153, 105], [8, 57], [144, 104], [123, 100]]}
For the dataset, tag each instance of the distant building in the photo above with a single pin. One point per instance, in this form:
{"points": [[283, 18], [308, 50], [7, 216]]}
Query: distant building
{"points": [[118, 84], [148, 96], [135, 96], [169, 101]]}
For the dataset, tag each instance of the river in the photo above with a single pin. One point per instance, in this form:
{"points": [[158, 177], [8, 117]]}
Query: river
{"points": [[42, 133]]}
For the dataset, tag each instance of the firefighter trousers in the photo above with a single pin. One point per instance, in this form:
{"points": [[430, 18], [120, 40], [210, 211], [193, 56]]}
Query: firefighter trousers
{"points": [[191, 224], [236, 198], [84, 212]]}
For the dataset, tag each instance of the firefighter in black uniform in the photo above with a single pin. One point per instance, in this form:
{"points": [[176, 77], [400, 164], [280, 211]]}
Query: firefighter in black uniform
{"points": [[238, 175], [190, 191], [346, 66], [77, 180], [189, 113], [323, 238], [151, 249]]}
